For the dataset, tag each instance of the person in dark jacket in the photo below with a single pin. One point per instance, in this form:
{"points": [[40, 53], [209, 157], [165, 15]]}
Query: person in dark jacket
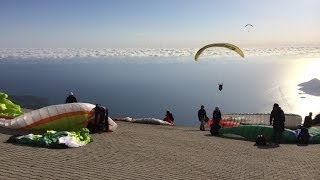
{"points": [[100, 122], [169, 117], [307, 121], [71, 98], [216, 117], [277, 119], [220, 86], [202, 116]]}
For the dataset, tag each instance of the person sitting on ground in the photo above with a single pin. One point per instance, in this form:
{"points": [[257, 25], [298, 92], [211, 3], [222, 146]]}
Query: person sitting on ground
{"points": [[71, 98], [303, 136], [169, 117], [216, 117], [203, 118], [307, 121]]}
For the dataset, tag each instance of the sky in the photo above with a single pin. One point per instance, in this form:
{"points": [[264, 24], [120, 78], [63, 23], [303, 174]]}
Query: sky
{"points": [[156, 24]]}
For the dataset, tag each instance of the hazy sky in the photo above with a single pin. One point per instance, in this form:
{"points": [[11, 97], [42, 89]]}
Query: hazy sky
{"points": [[156, 23]]}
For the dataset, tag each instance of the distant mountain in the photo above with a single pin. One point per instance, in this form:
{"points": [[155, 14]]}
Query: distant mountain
{"points": [[311, 87]]}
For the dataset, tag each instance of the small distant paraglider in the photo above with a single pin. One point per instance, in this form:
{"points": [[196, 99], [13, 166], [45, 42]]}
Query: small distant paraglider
{"points": [[248, 27], [220, 86]]}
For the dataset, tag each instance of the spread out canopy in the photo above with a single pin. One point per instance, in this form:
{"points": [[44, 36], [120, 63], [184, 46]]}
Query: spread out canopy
{"points": [[60, 117], [226, 45]]}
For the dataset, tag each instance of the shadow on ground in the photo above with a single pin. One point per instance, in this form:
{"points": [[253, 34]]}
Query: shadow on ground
{"points": [[268, 146], [8, 131]]}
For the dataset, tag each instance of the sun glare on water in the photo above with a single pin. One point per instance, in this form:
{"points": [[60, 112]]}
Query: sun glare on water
{"points": [[312, 69]]}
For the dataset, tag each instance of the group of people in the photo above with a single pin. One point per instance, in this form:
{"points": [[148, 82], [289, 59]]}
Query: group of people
{"points": [[277, 119], [216, 117]]}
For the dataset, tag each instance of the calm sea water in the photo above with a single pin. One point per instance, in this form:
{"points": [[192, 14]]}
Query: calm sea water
{"points": [[147, 87]]}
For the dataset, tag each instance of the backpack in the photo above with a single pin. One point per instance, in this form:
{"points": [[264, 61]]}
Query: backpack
{"points": [[303, 137], [261, 140], [99, 124]]}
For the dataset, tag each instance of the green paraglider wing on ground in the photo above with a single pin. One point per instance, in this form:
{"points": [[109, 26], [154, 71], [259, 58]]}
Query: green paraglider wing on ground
{"points": [[54, 139], [251, 132], [315, 135]]}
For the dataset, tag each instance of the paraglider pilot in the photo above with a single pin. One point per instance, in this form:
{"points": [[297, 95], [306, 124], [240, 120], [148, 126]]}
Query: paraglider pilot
{"points": [[308, 121], [203, 118], [216, 118], [100, 122], [169, 117], [220, 86], [277, 119], [71, 98]]}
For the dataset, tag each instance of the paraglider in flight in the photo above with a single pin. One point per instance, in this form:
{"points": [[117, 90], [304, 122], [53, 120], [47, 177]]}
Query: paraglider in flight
{"points": [[226, 45], [248, 27], [220, 86]]}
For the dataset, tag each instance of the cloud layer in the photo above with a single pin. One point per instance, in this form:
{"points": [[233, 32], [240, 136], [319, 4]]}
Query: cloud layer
{"points": [[70, 53]]}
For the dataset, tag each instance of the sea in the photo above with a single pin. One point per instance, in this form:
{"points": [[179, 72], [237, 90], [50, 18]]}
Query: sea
{"points": [[146, 83]]}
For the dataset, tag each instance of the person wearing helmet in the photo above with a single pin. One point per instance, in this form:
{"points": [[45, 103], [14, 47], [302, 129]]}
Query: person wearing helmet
{"points": [[71, 98]]}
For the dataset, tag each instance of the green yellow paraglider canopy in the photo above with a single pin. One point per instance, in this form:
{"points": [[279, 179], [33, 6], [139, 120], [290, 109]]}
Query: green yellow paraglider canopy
{"points": [[8, 109], [226, 45]]}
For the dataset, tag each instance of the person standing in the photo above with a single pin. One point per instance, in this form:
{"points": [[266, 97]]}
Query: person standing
{"points": [[277, 120], [307, 121], [100, 122], [202, 116], [71, 98], [216, 117]]}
